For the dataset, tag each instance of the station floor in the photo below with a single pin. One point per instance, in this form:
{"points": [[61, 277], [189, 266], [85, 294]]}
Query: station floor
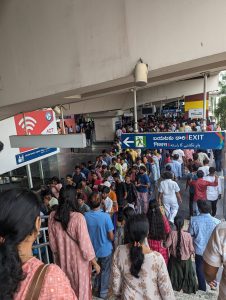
{"points": [[210, 295]]}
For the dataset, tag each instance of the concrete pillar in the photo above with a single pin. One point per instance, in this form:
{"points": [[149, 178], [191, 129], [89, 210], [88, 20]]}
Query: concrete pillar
{"points": [[105, 128]]}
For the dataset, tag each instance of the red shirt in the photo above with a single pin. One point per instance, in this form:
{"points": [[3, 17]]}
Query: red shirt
{"points": [[167, 160], [158, 245], [200, 186], [96, 183]]}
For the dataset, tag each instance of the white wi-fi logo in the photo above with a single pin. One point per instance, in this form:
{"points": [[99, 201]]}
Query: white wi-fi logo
{"points": [[28, 123]]}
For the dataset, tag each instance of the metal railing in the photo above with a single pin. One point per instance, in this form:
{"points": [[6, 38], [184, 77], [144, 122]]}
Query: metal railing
{"points": [[41, 246]]}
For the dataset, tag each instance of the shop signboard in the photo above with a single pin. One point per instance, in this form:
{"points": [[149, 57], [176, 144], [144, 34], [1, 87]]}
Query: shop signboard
{"points": [[196, 113]]}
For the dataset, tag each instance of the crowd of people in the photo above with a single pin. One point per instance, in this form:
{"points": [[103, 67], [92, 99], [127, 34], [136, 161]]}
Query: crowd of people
{"points": [[81, 126], [115, 228], [167, 124], [119, 216]]}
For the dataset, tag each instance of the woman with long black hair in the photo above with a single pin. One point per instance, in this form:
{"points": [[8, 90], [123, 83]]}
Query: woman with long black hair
{"points": [[180, 267], [138, 272], [159, 229], [19, 270], [71, 245]]}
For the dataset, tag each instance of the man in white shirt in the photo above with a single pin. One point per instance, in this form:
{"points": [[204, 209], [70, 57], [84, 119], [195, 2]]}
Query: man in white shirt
{"points": [[213, 192], [106, 201], [169, 195], [187, 128], [214, 258], [205, 167], [124, 166], [202, 155], [181, 155], [181, 158], [119, 133]]}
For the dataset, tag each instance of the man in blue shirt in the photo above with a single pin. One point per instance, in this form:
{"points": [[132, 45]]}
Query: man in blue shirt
{"points": [[100, 229], [84, 169], [201, 228], [176, 166], [143, 185]]}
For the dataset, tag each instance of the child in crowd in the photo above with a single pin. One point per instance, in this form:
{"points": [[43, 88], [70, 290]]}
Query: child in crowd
{"points": [[95, 182], [81, 205], [107, 203], [121, 235], [80, 190], [113, 197], [85, 188], [180, 267], [158, 230]]}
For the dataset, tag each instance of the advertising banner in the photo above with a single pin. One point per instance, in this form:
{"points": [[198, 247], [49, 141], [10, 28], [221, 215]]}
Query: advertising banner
{"points": [[174, 140], [32, 123], [196, 113]]}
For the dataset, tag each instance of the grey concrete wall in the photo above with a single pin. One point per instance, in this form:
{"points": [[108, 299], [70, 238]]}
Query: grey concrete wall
{"points": [[105, 129]]}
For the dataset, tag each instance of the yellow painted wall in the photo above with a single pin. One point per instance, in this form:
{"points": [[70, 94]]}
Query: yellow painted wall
{"points": [[194, 104]]}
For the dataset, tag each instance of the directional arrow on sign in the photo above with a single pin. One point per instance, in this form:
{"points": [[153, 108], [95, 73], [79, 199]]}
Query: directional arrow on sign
{"points": [[127, 142]]}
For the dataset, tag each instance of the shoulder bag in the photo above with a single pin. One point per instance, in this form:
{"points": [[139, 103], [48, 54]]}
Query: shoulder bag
{"points": [[36, 283]]}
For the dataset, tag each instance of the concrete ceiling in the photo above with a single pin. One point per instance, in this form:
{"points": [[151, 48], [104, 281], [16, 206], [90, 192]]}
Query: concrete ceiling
{"points": [[121, 86], [54, 49]]}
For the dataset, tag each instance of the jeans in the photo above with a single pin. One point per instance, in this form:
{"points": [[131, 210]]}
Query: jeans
{"points": [[214, 207], [218, 164], [199, 272], [195, 208], [120, 213], [182, 170], [102, 279], [142, 202], [191, 199]]}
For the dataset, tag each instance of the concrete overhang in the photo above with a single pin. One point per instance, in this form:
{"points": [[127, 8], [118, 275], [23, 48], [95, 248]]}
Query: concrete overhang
{"points": [[120, 87], [158, 94]]}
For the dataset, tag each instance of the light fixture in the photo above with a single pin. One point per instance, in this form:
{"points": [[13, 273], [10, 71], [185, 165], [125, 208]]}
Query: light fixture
{"points": [[73, 97], [57, 110], [141, 73]]}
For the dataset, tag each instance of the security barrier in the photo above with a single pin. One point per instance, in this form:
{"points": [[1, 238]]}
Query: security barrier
{"points": [[41, 246]]}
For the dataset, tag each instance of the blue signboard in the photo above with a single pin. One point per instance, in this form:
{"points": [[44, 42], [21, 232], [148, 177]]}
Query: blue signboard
{"points": [[174, 140], [32, 154]]}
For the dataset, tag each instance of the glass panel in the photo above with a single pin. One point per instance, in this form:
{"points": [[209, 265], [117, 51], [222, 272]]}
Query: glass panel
{"points": [[14, 179], [36, 175], [50, 168]]}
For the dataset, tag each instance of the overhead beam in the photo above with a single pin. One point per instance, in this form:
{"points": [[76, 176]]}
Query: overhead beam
{"points": [[148, 95], [48, 141]]}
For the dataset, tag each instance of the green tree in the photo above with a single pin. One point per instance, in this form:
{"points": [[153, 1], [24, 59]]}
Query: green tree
{"points": [[220, 112]]}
